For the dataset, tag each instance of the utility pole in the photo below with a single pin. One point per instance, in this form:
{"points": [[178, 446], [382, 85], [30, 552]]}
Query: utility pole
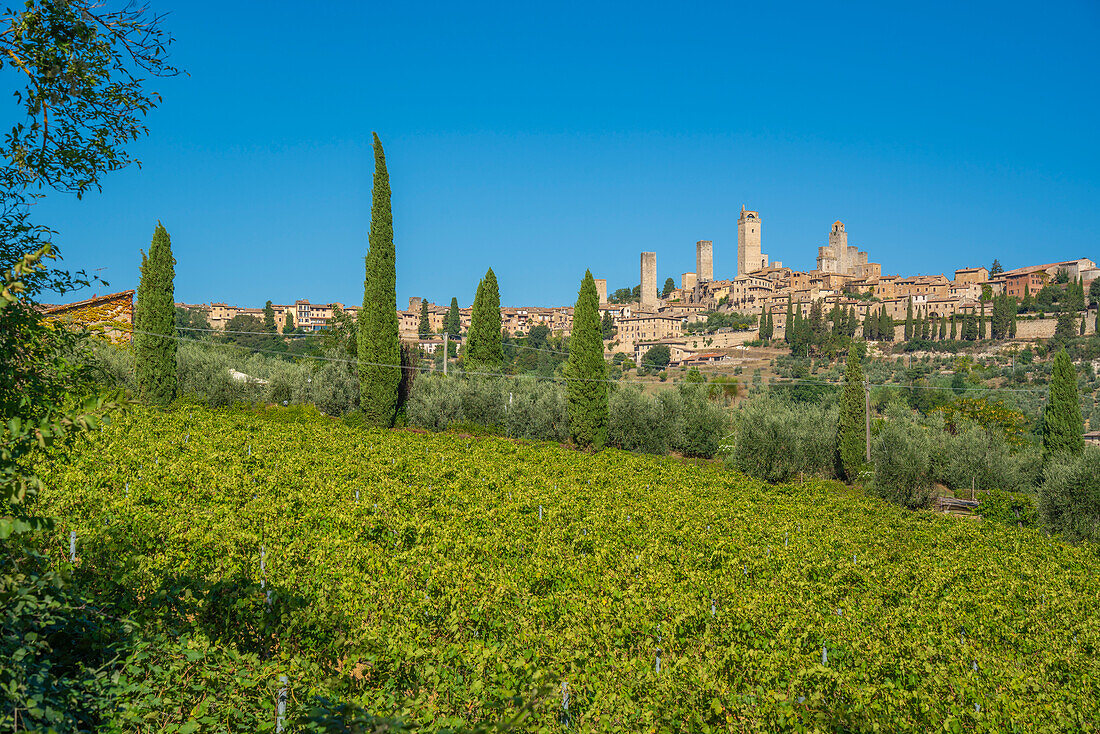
{"points": [[446, 353], [867, 414]]}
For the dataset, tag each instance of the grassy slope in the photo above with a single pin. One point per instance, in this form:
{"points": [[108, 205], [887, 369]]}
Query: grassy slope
{"points": [[442, 589]]}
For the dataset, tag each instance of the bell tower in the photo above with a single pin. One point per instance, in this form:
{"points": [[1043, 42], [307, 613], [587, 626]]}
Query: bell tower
{"points": [[749, 255]]}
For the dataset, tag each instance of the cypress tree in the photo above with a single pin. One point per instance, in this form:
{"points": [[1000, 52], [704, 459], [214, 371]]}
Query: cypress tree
{"points": [[379, 338], [453, 324], [155, 350], [269, 318], [587, 370], [943, 327], [886, 325], [484, 349], [853, 415], [288, 325], [868, 327], [1065, 327], [1063, 427], [981, 323], [954, 332], [788, 323], [1084, 319], [424, 329], [909, 320]]}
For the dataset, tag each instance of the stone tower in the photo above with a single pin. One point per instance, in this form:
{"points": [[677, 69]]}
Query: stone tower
{"points": [[648, 300], [704, 260], [601, 289], [749, 255]]}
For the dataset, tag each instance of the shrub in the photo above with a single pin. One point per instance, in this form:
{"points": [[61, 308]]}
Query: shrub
{"points": [[523, 408], [1009, 508], [702, 422], [901, 452], [637, 422], [1069, 499], [434, 403], [777, 440]]}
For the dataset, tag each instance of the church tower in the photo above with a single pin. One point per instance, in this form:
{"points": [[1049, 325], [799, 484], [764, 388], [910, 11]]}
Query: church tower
{"points": [[749, 255]]}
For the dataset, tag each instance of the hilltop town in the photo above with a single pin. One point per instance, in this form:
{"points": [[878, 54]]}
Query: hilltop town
{"points": [[649, 314]]}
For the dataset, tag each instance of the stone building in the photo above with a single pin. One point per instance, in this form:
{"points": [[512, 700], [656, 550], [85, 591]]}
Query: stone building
{"points": [[840, 257], [110, 316]]}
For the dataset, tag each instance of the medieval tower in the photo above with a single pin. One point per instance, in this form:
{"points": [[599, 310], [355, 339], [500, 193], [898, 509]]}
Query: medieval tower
{"points": [[649, 282], [704, 261], [749, 255]]}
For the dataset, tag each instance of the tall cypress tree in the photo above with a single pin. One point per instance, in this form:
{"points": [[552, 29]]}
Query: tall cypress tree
{"points": [[909, 320], [484, 349], [453, 324], [379, 338], [788, 322], [1063, 427], [954, 328], [587, 370], [851, 432], [424, 329], [288, 324], [269, 318], [155, 349], [981, 323]]}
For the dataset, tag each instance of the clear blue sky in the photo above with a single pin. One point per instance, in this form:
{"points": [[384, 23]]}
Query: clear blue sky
{"points": [[545, 139]]}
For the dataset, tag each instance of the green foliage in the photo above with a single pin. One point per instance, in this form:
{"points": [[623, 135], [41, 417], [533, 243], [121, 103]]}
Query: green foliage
{"points": [[607, 326], [154, 322], [778, 440], [1069, 499], [453, 323], [670, 285], [455, 594], [656, 357], [484, 351], [1014, 509], [909, 320], [424, 329], [379, 342], [901, 452], [586, 370], [269, 318], [1063, 427], [520, 408], [191, 323], [288, 324], [851, 431]]}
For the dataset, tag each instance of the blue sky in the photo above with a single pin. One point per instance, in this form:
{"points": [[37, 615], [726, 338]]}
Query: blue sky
{"points": [[543, 139]]}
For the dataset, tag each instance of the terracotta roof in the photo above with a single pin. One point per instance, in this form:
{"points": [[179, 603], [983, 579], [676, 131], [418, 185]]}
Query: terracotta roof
{"points": [[88, 301]]}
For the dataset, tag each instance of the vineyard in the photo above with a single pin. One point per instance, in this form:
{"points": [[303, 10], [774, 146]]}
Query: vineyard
{"points": [[454, 580]]}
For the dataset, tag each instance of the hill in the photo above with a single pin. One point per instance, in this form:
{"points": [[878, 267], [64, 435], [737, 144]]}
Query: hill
{"points": [[443, 577]]}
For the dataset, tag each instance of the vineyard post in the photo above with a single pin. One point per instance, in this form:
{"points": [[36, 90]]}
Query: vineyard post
{"points": [[280, 716], [446, 353], [867, 415]]}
